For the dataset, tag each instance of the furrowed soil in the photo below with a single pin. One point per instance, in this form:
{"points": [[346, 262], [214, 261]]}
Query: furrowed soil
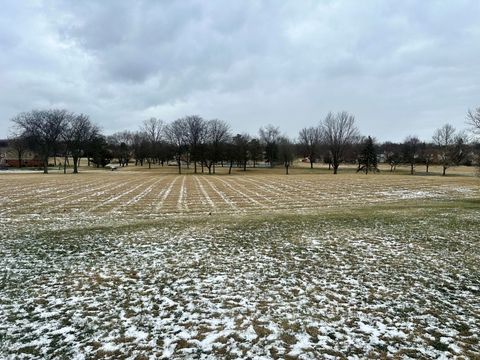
{"points": [[138, 264]]}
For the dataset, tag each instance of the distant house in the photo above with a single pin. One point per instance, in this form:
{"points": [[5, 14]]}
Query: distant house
{"points": [[35, 162], [3, 153], [381, 158], [9, 157]]}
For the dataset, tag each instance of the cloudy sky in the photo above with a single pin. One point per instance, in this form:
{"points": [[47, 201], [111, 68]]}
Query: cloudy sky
{"points": [[401, 67]]}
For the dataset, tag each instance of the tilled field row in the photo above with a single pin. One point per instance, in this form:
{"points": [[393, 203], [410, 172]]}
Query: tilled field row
{"points": [[163, 195]]}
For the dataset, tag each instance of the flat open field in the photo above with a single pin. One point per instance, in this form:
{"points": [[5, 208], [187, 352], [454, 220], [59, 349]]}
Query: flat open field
{"points": [[138, 264]]}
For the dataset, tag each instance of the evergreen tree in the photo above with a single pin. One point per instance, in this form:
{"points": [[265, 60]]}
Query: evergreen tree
{"points": [[367, 160]]}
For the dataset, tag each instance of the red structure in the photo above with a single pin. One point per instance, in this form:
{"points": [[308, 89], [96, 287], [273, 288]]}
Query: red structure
{"points": [[25, 163]]}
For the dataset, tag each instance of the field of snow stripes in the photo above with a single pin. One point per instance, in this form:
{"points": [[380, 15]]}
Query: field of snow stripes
{"points": [[124, 265], [100, 197]]}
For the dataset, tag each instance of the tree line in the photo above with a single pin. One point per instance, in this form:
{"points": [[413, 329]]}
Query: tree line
{"points": [[204, 144]]}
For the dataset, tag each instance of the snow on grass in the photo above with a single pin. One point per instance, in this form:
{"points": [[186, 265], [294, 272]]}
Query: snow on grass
{"points": [[302, 345], [225, 198], [409, 194], [206, 197], [144, 192], [164, 193], [182, 197], [113, 200], [244, 193], [120, 265], [279, 287], [104, 197]]}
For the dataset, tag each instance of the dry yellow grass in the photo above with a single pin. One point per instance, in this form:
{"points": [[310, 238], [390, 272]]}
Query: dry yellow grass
{"points": [[134, 263], [140, 194]]}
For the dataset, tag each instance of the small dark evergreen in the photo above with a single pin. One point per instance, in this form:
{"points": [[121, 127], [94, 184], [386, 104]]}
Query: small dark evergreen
{"points": [[367, 160]]}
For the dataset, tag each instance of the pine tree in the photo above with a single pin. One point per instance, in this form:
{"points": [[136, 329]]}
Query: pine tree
{"points": [[367, 160]]}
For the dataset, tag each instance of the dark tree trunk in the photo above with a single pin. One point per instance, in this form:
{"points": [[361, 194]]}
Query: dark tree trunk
{"points": [[311, 164], [412, 166], [45, 165], [444, 170], [75, 164], [286, 169]]}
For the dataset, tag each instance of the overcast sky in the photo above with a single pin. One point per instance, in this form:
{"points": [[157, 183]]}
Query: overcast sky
{"points": [[401, 67]]}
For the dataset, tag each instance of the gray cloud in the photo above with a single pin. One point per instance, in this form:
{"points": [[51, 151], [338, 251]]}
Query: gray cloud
{"points": [[401, 67]]}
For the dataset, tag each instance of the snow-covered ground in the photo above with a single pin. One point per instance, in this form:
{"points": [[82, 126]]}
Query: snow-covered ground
{"points": [[96, 279]]}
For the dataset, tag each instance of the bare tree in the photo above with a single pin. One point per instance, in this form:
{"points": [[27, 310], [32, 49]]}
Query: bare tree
{"points": [[121, 144], [141, 148], [42, 129], [241, 142], [229, 153], [20, 145], [391, 153], [309, 140], [339, 132], [175, 133], [153, 129], [78, 133], [411, 148], [218, 134], [286, 152], [195, 136], [444, 138], [426, 154], [153, 133], [269, 137], [473, 119], [255, 150]]}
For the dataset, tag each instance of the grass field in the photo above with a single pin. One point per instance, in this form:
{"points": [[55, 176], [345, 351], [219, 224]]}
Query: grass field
{"points": [[139, 264]]}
